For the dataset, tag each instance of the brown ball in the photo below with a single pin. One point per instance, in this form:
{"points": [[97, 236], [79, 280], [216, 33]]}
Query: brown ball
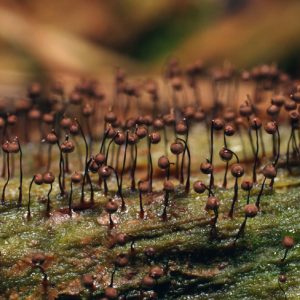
{"points": [[12, 120], [48, 118], [110, 117], [177, 148], [104, 172], [290, 105], [148, 281], [273, 110], [111, 206], [122, 260], [87, 280], [237, 170], [163, 162], [212, 203], [181, 127], [154, 137], [120, 138], [67, 146], [269, 171], [51, 138], [74, 129], [169, 186], [76, 177], [141, 132], [282, 278], [218, 124], [144, 186], [65, 123], [38, 179], [251, 210], [132, 138], [121, 238], [38, 258], [288, 242], [246, 185], [156, 272], [111, 293], [278, 100], [169, 119], [246, 110], [93, 166], [34, 114], [199, 187], [255, 123], [100, 158], [206, 168], [158, 124], [13, 147], [225, 154], [229, 130], [271, 127], [48, 178]]}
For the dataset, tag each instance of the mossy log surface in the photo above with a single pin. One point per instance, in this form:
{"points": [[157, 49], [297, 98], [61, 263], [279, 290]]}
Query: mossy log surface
{"points": [[198, 264]]}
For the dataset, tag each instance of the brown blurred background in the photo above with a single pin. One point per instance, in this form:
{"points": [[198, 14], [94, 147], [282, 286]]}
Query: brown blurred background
{"points": [[69, 39]]}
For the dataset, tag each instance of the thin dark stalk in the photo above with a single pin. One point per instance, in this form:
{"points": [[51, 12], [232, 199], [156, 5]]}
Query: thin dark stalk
{"points": [[260, 193], [255, 158], [241, 230], [120, 193], [166, 204], [262, 143], [108, 147], [225, 176], [48, 201], [123, 169], [7, 180], [77, 146], [142, 212], [133, 168], [86, 161], [235, 197], [29, 198], [70, 199], [21, 175], [150, 175], [61, 171], [49, 157], [165, 140], [187, 184], [183, 155], [250, 137], [104, 138]]}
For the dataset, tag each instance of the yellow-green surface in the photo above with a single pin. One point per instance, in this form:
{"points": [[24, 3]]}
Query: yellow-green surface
{"points": [[200, 266], [80, 245]]}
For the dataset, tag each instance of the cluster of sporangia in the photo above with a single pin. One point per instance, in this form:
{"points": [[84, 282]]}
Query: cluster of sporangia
{"points": [[121, 136]]}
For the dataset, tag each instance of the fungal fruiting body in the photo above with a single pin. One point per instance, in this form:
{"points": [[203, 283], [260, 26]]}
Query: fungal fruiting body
{"points": [[126, 167]]}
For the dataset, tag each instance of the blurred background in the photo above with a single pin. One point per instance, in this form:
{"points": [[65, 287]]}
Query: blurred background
{"points": [[70, 39]]}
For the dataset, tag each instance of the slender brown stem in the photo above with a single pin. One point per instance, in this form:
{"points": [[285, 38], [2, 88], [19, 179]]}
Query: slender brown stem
{"points": [[21, 175], [86, 161], [133, 168], [254, 178], [48, 201], [7, 180], [141, 205], [70, 199], [260, 193], [29, 197]]}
